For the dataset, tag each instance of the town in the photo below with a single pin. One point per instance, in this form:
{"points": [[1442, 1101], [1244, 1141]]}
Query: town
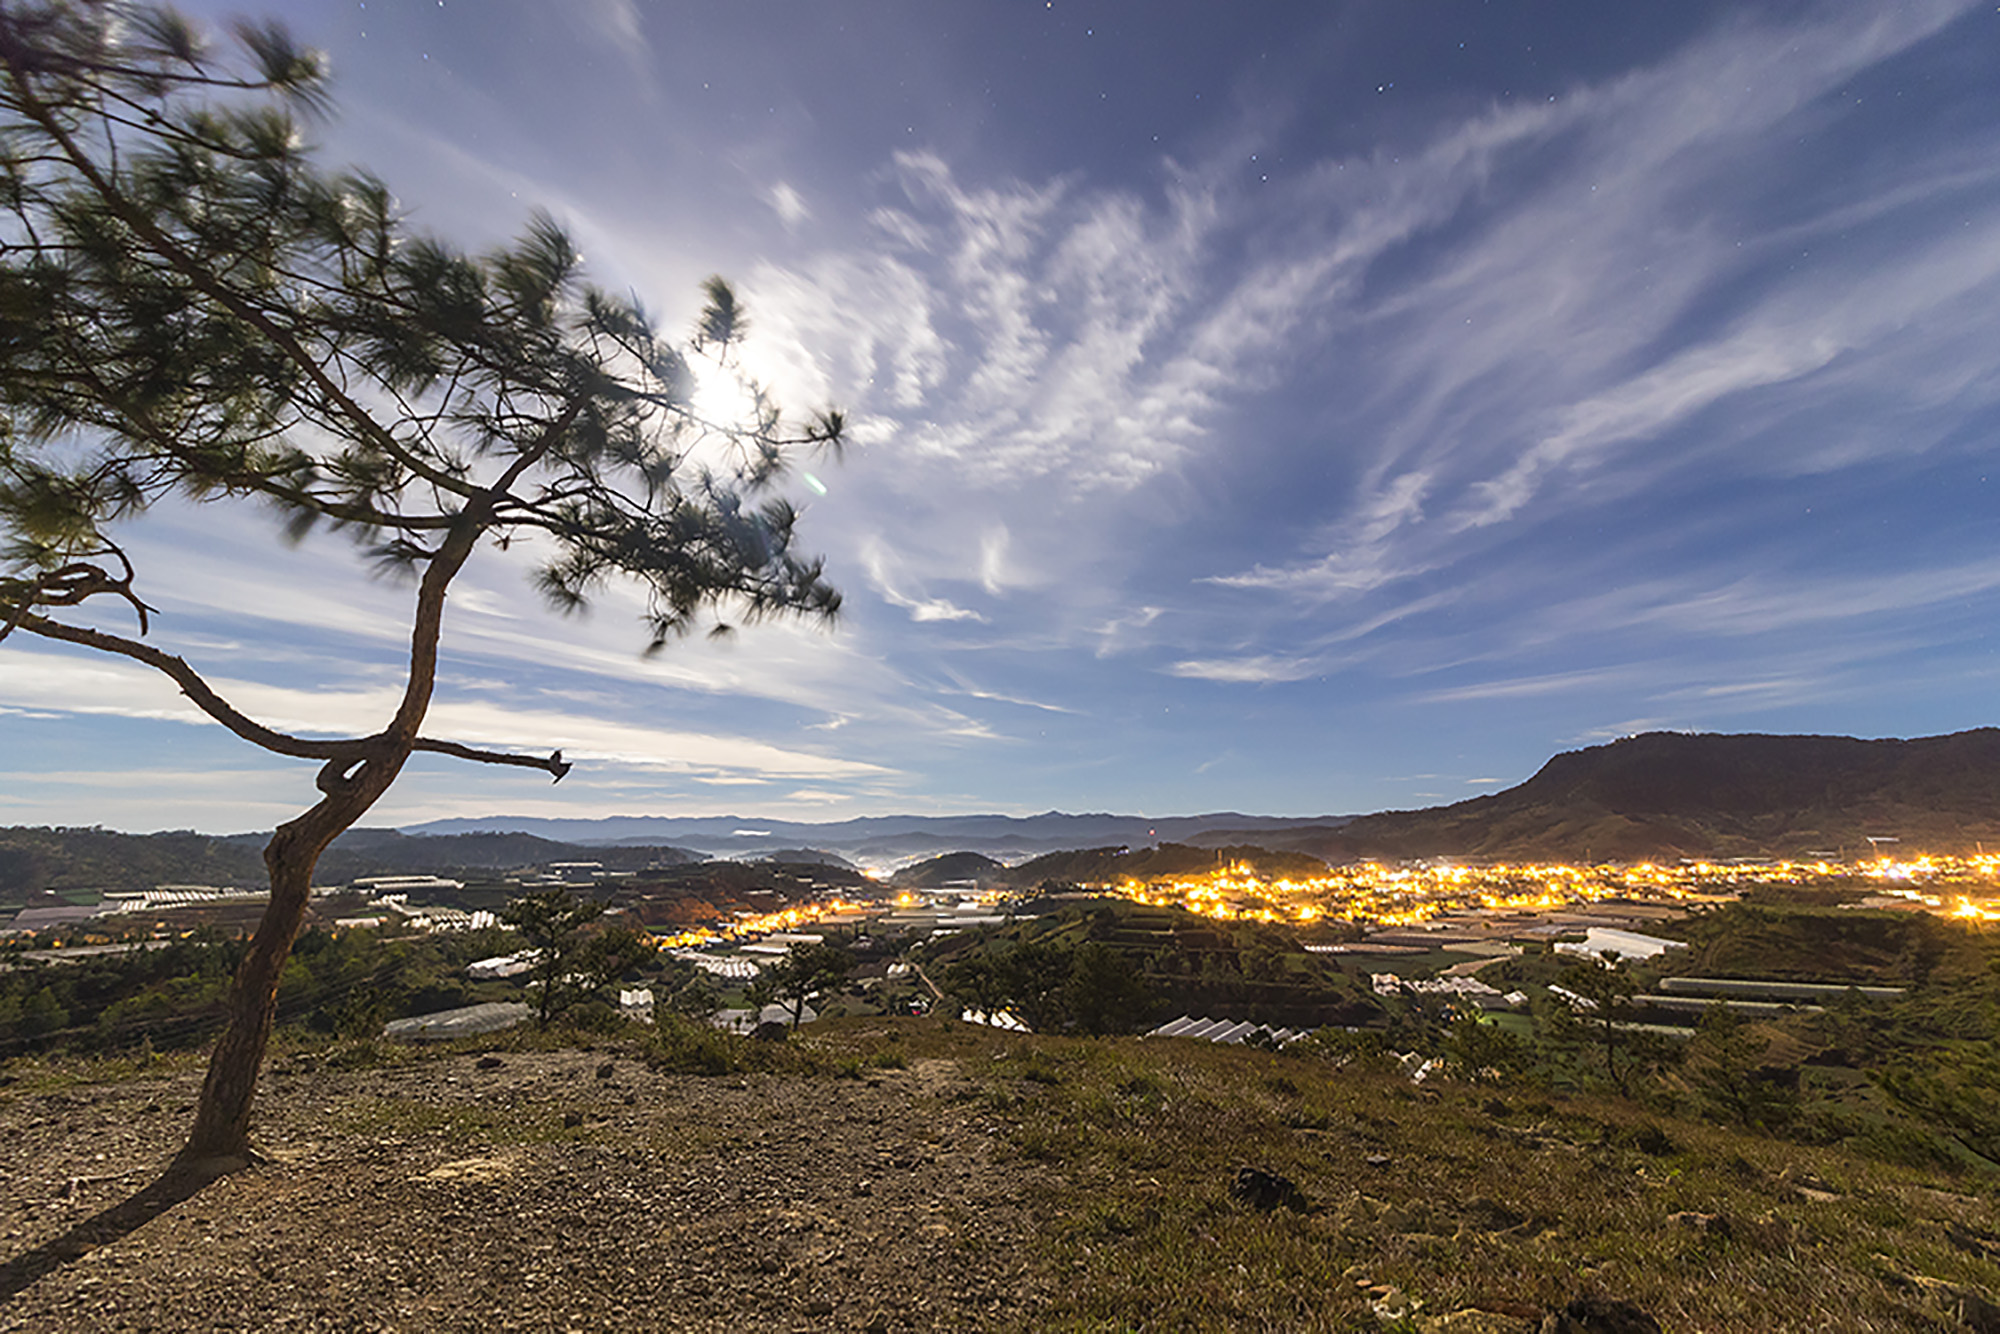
{"points": [[1420, 928]]}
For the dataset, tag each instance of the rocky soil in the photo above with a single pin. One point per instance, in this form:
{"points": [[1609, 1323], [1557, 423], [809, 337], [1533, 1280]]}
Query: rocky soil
{"points": [[531, 1190], [903, 1175]]}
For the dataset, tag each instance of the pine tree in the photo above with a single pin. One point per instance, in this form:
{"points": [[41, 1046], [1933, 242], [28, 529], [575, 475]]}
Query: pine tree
{"points": [[190, 306], [575, 956], [808, 968]]}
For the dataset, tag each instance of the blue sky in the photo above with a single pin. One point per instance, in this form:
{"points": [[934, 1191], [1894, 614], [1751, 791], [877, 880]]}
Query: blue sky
{"points": [[1287, 408]]}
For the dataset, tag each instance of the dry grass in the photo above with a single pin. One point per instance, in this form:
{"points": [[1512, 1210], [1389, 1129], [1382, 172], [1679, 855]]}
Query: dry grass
{"points": [[1455, 1196]]}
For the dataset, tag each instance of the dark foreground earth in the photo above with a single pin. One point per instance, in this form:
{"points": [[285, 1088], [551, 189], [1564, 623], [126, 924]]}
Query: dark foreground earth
{"points": [[907, 1175], [555, 1190]]}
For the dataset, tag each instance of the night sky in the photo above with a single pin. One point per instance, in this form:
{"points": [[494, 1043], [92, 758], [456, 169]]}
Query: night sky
{"points": [[1286, 408]]}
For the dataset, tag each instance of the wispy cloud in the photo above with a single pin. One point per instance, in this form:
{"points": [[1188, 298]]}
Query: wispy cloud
{"points": [[1727, 603], [1365, 561], [971, 691], [148, 778], [788, 204], [883, 566], [1550, 684], [1119, 632], [1541, 343], [1022, 330], [229, 600], [620, 25], [1260, 669], [928, 609], [66, 683]]}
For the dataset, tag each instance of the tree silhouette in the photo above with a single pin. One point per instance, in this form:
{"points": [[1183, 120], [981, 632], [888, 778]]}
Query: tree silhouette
{"points": [[1105, 993], [807, 969], [1052, 987], [575, 957], [1608, 986], [190, 306]]}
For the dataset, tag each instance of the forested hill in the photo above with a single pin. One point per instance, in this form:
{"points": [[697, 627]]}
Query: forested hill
{"points": [[1100, 865], [1672, 794], [34, 858]]}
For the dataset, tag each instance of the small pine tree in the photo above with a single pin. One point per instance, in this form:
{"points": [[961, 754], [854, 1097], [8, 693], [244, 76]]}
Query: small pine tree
{"points": [[808, 969], [576, 957], [1608, 985], [1105, 993], [1726, 1064]]}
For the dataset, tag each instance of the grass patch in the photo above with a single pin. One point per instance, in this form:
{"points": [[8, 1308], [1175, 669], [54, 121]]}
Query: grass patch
{"points": [[687, 1047], [41, 1074], [459, 1124], [1455, 1195]]}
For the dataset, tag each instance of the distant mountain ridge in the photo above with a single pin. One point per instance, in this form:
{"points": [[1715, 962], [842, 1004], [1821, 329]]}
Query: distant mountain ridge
{"points": [[883, 838], [35, 859], [1656, 796], [1665, 795]]}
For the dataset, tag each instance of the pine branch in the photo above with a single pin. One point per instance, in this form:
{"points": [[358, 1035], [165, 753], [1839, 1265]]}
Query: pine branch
{"points": [[204, 280], [197, 690]]}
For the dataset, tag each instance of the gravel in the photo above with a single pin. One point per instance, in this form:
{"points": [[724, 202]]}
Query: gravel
{"points": [[544, 1192]]}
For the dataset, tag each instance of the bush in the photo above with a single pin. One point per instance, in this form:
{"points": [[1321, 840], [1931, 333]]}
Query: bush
{"points": [[1366, 1050], [687, 1047], [1479, 1051], [1906, 1146], [594, 1015]]}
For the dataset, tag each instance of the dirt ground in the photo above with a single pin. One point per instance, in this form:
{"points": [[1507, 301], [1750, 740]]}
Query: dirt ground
{"points": [[535, 1190]]}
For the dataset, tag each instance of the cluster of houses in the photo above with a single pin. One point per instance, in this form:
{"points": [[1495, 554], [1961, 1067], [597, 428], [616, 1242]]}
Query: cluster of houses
{"points": [[1462, 987]]}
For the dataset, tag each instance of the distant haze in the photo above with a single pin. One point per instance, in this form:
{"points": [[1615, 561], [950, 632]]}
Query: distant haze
{"points": [[880, 841]]}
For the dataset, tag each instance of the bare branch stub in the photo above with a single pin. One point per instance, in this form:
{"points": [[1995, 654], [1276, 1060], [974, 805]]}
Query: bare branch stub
{"points": [[552, 763]]}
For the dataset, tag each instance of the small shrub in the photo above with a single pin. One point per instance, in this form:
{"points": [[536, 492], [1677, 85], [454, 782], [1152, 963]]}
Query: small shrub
{"points": [[1905, 1145], [1312, 1118], [1038, 1069], [1104, 1220], [359, 1054], [593, 1016], [1143, 1087], [1647, 1138], [685, 1047], [1366, 1051], [1039, 1144]]}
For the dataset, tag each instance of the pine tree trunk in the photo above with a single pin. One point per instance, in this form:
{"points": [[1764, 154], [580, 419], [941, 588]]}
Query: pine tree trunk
{"points": [[222, 1120], [221, 1134], [220, 1139]]}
